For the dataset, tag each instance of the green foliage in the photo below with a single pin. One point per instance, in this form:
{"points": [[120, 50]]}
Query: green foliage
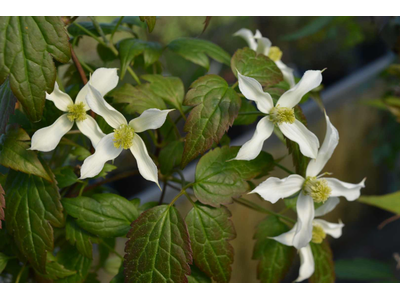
{"points": [[150, 21], [27, 45], [107, 28], [313, 27], [197, 276], [170, 157], [3, 261], [389, 202], [2, 205], [246, 106], [210, 230], [79, 237], [55, 270], [324, 267], [71, 259], [363, 270], [7, 105], [158, 249], [216, 107], [65, 176]]}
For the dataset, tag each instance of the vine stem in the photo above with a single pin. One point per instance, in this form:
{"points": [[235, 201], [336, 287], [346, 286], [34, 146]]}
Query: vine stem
{"points": [[283, 168], [163, 192], [235, 85], [182, 192], [20, 274]]}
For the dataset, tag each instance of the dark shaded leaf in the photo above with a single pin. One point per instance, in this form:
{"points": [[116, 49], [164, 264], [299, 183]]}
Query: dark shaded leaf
{"points": [[7, 105], [79, 237], [65, 176], [313, 27], [71, 259], [363, 270], [246, 106], [54, 270], [150, 21], [158, 249], [170, 157], [324, 267], [3, 261], [197, 276], [2, 205]]}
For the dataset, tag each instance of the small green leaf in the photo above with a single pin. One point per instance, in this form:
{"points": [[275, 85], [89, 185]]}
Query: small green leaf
{"points": [[324, 267], [71, 259], [14, 153], [170, 157], [138, 98], [65, 176], [7, 105], [106, 27], [197, 276], [105, 215], [218, 179], [389, 202], [79, 237], [257, 66], [216, 107], [150, 21], [196, 51], [274, 258], [3, 261], [210, 230], [158, 249], [27, 45], [106, 169], [80, 153], [55, 270]]}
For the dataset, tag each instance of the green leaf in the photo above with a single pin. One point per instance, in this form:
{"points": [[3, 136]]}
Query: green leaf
{"points": [[65, 176], [274, 258], [71, 259], [246, 106], [7, 105], [79, 237], [33, 207], [130, 48], [27, 45], [14, 153], [216, 107], [130, 20], [210, 230], [158, 249], [324, 267], [55, 270], [112, 265], [150, 21], [2, 205], [105, 215], [257, 66], [170, 89], [389, 202], [3, 261], [80, 153], [106, 169], [218, 179], [138, 98], [106, 27], [311, 28], [197, 276], [363, 270], [170, 157], [196, 51]]}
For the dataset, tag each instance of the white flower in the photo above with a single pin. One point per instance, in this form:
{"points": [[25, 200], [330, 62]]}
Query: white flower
{"points": [[264, 46], [124, 137], [47, 139], [281, 115], [312, 189], [319, 231]]}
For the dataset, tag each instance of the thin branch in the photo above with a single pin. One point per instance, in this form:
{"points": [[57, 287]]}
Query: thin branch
{"points": [[163, 192], [387, 221], [78, 65]]}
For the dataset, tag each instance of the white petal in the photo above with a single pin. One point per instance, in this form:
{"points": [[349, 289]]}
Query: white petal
{"points": [[306, 263], [309, 81], [247, 35], [297, 132], [305, 217], [252, 90], [61, 100], [152, 118], [81, 97], [105, 151], [287, 237], [100, 106], [333, 229], [258, 34], [274, 188], [287, 73], [263, 45], [348, 190], [91, 129], [252, 148], [47, 138], [327, 207], [146, 166], [331, 140]]}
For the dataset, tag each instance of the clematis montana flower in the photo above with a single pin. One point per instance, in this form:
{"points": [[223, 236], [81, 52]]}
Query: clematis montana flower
{"points": [[313, 188], [47, 139], [319, 231], [125, 136], [281, 115], [264, 46]]}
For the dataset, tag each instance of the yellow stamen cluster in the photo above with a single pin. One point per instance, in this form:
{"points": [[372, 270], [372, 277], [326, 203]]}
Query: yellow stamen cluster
{"points": [[76, 112], [279, 115], [123, 136], [318, 234], [275, 53], [318, 189]]}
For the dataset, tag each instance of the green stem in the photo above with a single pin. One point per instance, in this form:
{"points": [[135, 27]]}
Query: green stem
{"points": [[176, 197], [90, 34], [84, 184], [115, 29], [20, 274], [133, 74], [283, 168], [234, 85], [99, 29]]}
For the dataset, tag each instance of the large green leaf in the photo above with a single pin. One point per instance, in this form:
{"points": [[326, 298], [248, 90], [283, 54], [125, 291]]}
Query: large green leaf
{"points": [[170, 157], [274, 258], [257, 66], [14, 153], [197, 276], [7, 105], [218, 179], [216, 107], [105, 215], [106, 27], [27, 45], [79, 237], [55, 270], [196, 51], [71, 259], [33, 205], [390, 202], [210, 230], [324, 267], [138, 98], [158, 249]]}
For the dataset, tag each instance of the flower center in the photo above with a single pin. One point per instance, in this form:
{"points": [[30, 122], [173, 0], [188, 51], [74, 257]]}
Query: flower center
{"points": [[318, 189], [123, 136], [318, 234], [275, 53], [279, 115], [76, 112]]}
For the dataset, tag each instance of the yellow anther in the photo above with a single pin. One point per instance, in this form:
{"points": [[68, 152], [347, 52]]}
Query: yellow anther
{"points": [[123, 136], [275, 53], [279, 115], [76, 112], [318, 234], [318, 189]]}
